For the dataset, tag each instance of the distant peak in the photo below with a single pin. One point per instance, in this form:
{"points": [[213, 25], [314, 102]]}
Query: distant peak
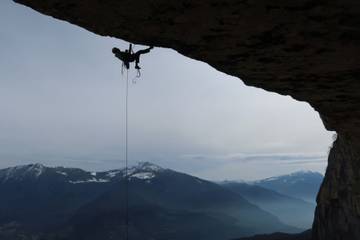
{"points": [[147, 166], [304, 172], [22, 171], [300, 175], [38, 168], [144, 171], [29, 167]]}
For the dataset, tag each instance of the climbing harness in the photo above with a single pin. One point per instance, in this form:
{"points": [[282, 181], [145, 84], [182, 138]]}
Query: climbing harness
{"points": [[128, 56]]}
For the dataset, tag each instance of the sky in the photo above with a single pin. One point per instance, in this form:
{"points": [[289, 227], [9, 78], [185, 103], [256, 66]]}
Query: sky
{"points": [[62, 104]]}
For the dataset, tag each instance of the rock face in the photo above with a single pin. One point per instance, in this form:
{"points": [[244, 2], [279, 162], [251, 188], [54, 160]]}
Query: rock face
{"points": [[338, 210], [307, 49]]}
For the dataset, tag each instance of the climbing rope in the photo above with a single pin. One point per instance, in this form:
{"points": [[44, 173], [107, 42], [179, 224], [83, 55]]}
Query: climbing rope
{"points": [[127, 146], [126, 157], [122, 69], [127, 57]]}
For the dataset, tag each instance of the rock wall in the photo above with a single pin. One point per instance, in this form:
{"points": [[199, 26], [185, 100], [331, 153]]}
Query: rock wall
{"points": [[308, 49], [338, 209]]}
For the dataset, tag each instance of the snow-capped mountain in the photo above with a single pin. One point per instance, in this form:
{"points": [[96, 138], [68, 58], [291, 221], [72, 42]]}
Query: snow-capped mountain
{"points": [[33, 172], [83, 204], [21, 172], [303, 184], [143, 170]]}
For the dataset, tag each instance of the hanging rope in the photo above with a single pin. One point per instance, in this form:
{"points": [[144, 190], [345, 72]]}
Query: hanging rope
{"points": [[127, 148], [127, 57], [122, 69], [126, 157]]}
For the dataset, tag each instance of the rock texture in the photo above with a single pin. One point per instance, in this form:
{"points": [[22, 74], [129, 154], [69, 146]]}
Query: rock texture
{"points": [[338, 210], [307, 49]]}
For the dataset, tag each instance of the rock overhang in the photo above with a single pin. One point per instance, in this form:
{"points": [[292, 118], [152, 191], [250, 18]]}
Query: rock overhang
{"points": [[306, 49]]}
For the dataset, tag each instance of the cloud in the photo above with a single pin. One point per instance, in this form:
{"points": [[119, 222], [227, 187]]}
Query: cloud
{"points": [[252, 157], [250, 166]]}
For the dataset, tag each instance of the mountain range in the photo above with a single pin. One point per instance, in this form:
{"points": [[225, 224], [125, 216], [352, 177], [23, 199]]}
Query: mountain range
{"points": [[60, 203], [303, 185], [290, 197]]}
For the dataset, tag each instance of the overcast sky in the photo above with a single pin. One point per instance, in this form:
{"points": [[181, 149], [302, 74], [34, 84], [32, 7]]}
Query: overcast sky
{"points": [[62, 103]]}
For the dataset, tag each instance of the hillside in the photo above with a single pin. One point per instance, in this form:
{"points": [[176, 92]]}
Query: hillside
{"points": [[290, 210]]}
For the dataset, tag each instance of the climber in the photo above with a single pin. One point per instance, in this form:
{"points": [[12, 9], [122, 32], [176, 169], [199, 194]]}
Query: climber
{"points": [[129, 56]]}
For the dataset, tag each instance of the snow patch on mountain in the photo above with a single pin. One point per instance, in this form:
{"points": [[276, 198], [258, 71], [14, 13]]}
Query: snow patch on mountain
{"points": [[91, 180], [143, 175], [37, 169], [146, 166], [113, 173], [143, 171], [62, 173]]}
